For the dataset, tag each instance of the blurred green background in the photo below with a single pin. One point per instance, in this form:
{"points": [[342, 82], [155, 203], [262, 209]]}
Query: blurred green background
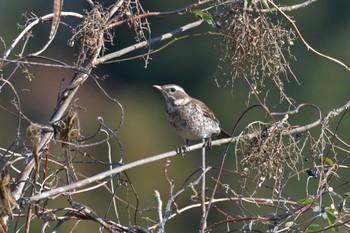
{"points": [[191, 63]]}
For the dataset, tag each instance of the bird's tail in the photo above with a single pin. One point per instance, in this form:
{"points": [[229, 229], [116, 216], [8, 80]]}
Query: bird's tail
{"points": [[223, 134]]}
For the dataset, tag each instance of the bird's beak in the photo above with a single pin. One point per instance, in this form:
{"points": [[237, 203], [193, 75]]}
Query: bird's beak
{"points": [[159, 88]]}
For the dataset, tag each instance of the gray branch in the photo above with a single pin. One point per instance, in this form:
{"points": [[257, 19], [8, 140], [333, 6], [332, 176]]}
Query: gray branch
{"points": [[169, 154], [143, 44]]}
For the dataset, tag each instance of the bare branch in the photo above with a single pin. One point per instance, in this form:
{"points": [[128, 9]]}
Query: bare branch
{"points": [[154, 158], [143, 44], [32, 24]]}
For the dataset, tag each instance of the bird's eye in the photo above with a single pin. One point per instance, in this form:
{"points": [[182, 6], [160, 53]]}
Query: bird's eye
{"points": [[172, 90]]}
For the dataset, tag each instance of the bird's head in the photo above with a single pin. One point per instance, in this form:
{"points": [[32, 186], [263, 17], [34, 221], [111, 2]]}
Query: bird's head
{"points": [[174, 94]]}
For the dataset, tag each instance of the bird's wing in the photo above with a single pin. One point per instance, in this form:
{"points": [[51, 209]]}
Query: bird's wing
{"points": [[206, 111]]}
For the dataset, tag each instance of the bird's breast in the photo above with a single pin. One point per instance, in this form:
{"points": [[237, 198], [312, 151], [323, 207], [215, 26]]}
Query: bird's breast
{"points": [[190, 122]]}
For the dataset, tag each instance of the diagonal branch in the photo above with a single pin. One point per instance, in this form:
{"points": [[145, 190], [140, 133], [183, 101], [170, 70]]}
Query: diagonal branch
{"points": [[173, 153], [62, 105], [143, 44]]}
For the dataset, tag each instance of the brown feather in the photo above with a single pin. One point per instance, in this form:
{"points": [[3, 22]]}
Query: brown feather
{"points": [[206, 110], [208, 113]]}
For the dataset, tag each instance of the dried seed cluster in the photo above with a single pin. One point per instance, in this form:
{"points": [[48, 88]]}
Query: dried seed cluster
{"points": [[255, 44]]}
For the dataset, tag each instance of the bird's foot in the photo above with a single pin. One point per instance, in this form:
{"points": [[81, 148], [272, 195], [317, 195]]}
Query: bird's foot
{"points": [[207, 143], [182, 150]]}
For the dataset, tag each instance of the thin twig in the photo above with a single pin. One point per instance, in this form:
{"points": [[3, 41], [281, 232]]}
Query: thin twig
{"points": [[203, 223], [308, 47], [32, 24], [159, 210], [153, 14], [265, 201]]}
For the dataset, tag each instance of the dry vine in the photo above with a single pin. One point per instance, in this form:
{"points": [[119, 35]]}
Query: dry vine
{"points": [[46, 162]]}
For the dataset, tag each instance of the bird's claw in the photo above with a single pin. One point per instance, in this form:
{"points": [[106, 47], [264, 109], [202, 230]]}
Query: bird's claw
{"points": [[207, 143], [182, 150]]}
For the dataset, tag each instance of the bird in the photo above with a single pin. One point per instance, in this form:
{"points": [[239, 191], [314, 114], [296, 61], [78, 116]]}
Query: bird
{"points": [[189, 117]]}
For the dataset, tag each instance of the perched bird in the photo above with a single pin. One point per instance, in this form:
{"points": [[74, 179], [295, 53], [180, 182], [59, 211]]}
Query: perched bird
{"points": [[189, 117]]}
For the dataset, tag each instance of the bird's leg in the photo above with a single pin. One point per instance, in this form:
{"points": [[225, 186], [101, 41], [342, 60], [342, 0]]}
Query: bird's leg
{"points": [[207, 143]]}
